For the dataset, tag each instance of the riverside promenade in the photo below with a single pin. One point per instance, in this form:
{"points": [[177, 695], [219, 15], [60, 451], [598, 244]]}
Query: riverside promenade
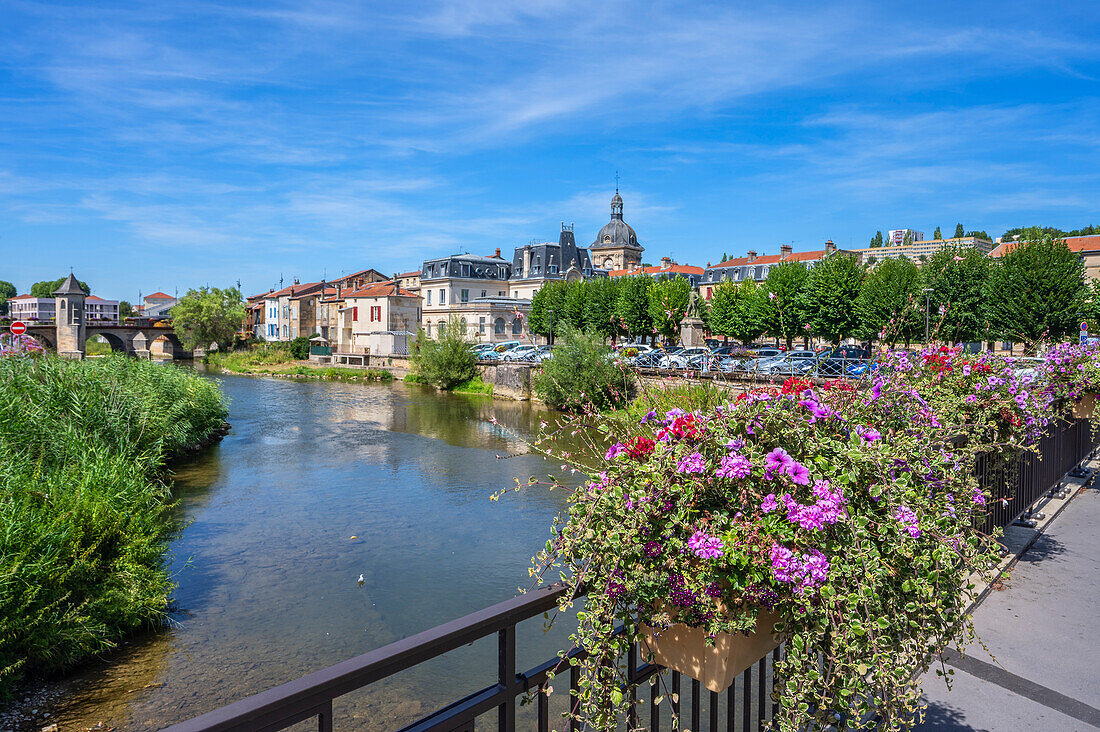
{"points": [[1040, 623]]}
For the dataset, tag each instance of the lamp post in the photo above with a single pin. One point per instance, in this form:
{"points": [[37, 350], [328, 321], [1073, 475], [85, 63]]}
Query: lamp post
{"points": [[927, 297], [550, 338]]}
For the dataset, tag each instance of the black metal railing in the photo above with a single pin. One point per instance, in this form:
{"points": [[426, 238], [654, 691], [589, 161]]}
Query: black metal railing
{"points": [[747, 705]]}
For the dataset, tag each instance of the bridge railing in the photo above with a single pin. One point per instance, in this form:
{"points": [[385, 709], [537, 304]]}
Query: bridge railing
{"points": [[745, 706]]}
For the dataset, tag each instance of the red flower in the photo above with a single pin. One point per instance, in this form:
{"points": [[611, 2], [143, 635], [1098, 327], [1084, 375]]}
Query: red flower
{"points": [[639, 447]]}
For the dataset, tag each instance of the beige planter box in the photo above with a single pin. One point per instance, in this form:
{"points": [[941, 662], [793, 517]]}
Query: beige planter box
{"points": [[684, 649], [1084, 408]]}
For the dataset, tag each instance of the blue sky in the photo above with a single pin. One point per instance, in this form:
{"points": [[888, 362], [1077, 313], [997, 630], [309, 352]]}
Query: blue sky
{"points": [[155, 146]]}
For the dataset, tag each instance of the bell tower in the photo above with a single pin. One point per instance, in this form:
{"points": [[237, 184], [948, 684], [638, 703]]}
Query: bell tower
{"points": [[69, 318]]}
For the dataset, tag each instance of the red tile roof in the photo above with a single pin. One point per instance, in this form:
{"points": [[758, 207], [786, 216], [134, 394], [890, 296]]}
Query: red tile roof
{"points": [[739, 261], [1078, 244], [25, 297], [415, 273], [97, 299], [158, 296], [674, 269], [381, 289]]}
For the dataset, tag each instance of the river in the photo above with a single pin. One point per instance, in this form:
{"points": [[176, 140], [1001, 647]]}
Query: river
{"points": [[316, 484]]}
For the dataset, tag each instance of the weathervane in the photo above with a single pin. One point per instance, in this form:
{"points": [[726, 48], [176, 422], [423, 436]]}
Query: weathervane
{"points": [[616, 181]]}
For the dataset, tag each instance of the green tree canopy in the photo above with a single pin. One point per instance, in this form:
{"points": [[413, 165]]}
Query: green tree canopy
{"points": [[979, 235], [782, 316], [446, 361], [956, 276], [632, 306], [576, 303], [959, 231], [45, 289], [668, 301], [599, 316], [735, 311], [125, 309], [1050, 231], [7, 291], [550, 297], [830, 297], [208, 315], [890, 303], [876, 240], [936, 235], [1037, 291]]}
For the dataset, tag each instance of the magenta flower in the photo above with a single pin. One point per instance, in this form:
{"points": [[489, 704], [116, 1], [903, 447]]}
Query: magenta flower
{"points": [[734, 466], [704, 546], [615, 450], [769, 503], [799, 473], [777, 459], [693, 463], [907, 517]]}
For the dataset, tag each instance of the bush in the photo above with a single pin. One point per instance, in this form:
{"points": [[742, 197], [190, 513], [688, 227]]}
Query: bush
{"points": [[84, 519], [299, 348], [446, 361], [474, 386], [582, 375]]}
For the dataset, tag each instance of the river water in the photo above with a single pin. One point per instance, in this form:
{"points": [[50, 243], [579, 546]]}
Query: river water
{"points": [[317, 484]]}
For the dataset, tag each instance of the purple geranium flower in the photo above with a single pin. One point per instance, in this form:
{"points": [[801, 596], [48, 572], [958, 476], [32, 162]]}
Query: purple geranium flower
{"points": [[734, 466], [693, 463], [704, 546]]}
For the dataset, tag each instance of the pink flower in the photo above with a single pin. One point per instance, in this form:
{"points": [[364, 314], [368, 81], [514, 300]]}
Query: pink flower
{"points": [[769, 503]]}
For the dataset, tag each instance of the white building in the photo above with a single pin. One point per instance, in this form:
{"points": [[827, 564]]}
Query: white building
{"points": [[898, 236], [100, 311], [380, 318], [156, 305], [31, 309]]}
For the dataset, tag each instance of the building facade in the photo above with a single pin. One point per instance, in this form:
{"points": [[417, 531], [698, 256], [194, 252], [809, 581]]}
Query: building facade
{"points": [[533, 265], [616, 245], [31, 309], [756, 268], [156, 306], [99, 311], [897, 237], [380, 319], [920, 250], [668, 270]]}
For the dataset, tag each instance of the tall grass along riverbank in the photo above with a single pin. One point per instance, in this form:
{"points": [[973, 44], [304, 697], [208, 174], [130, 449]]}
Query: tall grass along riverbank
{"points": [[273, 360], [84, 507]]}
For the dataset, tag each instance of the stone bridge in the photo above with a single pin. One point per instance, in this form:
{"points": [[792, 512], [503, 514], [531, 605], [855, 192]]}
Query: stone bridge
{"points": [[69, 332]]}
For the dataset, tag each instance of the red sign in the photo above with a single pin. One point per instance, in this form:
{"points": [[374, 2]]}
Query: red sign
{"points": [[18, 328]]}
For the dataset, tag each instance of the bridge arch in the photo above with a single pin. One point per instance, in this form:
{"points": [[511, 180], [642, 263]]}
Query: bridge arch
{"points": [[117, 343]]}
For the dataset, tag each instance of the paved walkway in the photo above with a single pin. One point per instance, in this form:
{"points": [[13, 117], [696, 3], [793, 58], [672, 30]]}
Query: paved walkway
{"points": [[1042, 630]]}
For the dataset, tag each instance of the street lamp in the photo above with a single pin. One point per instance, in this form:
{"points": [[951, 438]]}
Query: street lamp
{"points": [[927, 297], [550, 338]]}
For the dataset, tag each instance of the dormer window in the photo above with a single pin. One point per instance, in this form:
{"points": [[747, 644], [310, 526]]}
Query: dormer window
{"points": [[606, 238]]}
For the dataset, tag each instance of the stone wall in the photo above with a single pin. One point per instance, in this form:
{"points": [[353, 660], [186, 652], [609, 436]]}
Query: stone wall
{"points": [[509, 380]]}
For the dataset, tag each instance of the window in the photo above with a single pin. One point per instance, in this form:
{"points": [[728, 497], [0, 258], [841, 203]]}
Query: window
{"points": [[355, 314], [483, 293], [498, 326], [429, 298], [553, 268], [428, 329], [501, 294], [517, 327], [481, 325], [708, 292], [442, 297], [465, 270], [464, 296]]}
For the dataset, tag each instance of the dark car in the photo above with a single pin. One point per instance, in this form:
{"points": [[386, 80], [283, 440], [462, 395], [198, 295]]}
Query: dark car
{"points": [[837, 361]]}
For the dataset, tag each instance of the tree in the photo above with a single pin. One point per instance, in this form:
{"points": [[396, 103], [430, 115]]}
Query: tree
{"points": [[576, 303], [876, 240], [599, 316], [7, 291], [125, 309], [45, 289], [890, 303], [208, 315], [1037, 291], [907, 238], [979, 235], [782, 315], [956, 276], [830, 297], [581, 376], [668, 301], [632, 306], [1051, 231], [735, 311], [959, 231], [936, 235], [448, 360], [550, 297]]}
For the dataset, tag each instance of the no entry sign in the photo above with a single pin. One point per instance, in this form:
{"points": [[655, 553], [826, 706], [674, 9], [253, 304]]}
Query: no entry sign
{"points": [[18, 328]]}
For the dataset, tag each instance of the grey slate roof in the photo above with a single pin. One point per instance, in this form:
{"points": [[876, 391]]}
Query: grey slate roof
{"points": [[616, 233], [549, 260], [70, 287], [471, 266]]}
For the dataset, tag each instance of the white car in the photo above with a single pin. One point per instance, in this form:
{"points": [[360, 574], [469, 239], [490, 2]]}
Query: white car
{"points": [[518, 353], [679, 358]]}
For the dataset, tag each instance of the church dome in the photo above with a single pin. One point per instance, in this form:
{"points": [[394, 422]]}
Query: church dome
{"points": [[616, 233]]}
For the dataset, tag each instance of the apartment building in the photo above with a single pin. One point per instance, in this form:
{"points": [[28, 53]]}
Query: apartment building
{"points": [[755, 267]]}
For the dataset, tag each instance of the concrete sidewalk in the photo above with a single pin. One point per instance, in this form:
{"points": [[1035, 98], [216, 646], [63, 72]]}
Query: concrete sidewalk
{"points": [[1042, 630]]}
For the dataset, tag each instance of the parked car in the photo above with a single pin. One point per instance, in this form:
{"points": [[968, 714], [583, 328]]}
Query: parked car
{"points": [[647, 360], [538, 354], [517, 353], [787, 364], [680, 358], [759, 359], [837, 361], [482, 350]]}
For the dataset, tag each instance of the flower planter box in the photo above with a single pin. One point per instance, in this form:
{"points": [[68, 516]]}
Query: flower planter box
{"points": [[1083, 408], [684, 649]]}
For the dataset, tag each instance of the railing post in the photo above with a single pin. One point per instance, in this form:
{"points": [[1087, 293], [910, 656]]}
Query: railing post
{"points": [[324, 718], [506, 677]]}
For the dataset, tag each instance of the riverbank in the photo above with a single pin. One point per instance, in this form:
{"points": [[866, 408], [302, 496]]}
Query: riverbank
{"points": [[85, 514], [279, 362]]}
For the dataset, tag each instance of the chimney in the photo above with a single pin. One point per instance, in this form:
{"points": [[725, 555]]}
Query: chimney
{"points": [[526, 260], [752, 256], [666, 262], [785, 251], [295, 280], [708, 264], [497, 255], [830, 247]]}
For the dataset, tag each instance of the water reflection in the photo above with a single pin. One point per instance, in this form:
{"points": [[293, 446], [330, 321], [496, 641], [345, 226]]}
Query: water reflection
{"points": [[316, 484]]}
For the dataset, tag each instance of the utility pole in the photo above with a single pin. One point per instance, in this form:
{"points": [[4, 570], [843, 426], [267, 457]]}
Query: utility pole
{"points": [[550, 339]]}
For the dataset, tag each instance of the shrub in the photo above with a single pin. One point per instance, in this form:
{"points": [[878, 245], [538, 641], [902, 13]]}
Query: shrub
{"points": [[446, 361], [84, 519], [474, 386], [582, 375], [299, 348]]}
